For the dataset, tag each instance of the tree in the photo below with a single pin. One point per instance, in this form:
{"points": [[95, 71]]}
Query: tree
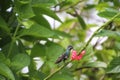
{"points": [[26, 38]]}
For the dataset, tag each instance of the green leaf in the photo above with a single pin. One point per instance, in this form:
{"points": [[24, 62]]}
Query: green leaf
{"points": [[96, 64], [102, 6], [27, 23], [37, 30], [20, 61], [114, 66], [112, 34], [89, 6], [2, 77], [105, 55], [16, 49], [62, 77], [45, 68], [24, 10], [41, 20], [3, 25], [37, 75], [65, 4], [117, 76], [116, 3], [24, 1], [21, 47], [108, 13], [89, 52], [40, 10], [117, 45], [63, 34], [5, 70], [82, 22], [67, 24], [38, 51], [3, 59], [44, 2]]}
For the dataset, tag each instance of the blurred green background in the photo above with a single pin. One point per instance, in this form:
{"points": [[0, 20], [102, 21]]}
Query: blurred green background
{"points": [[34, 33]]}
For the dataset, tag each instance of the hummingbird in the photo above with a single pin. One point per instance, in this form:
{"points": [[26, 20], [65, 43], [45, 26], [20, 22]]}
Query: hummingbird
{"points": [[65, 55]]}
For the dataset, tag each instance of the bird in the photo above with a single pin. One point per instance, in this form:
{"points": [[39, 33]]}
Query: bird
{"points": [[65, 55]]}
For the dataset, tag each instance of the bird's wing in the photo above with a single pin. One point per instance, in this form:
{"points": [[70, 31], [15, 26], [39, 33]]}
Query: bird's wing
{"points": [[60, 59]]}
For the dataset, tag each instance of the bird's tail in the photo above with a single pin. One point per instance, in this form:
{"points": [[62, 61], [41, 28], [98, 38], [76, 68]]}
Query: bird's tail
{"points": [[58, 60]]}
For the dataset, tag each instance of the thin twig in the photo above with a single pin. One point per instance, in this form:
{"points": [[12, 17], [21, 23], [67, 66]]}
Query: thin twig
{"points": [[105, 24], [13, 40]]}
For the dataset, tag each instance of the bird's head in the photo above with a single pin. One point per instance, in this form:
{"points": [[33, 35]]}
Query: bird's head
{"points": [[70, 47]]}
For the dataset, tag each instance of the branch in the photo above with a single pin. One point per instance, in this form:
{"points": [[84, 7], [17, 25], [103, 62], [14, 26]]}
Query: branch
{"points": [[105, 24], [13, 40]]}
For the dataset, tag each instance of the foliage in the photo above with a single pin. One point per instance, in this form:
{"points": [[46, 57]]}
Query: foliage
{"points": [[27, 39]]}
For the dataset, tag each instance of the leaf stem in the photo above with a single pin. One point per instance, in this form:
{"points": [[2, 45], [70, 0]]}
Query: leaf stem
{"points": [[13, 40], [104, 25]]}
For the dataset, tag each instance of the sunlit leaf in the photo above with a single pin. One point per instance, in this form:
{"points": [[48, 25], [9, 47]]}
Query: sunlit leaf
{"points": [[102, 6], [67, 24], [46, 11], [27, 23]]}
